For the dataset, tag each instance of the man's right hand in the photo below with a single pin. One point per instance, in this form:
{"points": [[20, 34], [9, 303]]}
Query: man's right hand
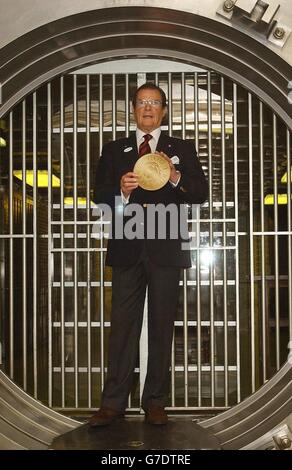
{"points": [[129, 182]]}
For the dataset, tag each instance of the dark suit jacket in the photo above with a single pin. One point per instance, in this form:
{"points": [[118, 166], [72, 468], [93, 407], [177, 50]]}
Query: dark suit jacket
{"points": [[115, 161]]}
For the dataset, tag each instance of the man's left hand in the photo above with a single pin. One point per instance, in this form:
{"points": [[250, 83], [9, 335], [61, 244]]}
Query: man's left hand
{"points": [[174, 174]]}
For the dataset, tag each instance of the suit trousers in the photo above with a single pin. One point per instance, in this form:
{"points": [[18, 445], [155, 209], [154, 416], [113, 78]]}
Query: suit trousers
{"points": [[128, 296]]}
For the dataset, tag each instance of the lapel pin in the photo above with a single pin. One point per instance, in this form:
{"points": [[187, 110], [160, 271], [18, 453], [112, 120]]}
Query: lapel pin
{"points": [[128, 149]]}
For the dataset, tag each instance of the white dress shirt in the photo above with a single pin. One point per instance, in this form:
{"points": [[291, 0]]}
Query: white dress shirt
{"points": [[152, 142]]}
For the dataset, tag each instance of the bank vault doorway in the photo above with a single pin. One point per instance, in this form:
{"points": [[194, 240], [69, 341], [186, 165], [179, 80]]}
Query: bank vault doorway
{"points": [[232, 327]]}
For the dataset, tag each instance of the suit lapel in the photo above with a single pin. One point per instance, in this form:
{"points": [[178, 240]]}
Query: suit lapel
{"points": [[129, 149], [164, 144]]}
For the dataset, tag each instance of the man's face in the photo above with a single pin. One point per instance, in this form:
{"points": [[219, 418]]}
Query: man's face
{"points": [[148, 117]]}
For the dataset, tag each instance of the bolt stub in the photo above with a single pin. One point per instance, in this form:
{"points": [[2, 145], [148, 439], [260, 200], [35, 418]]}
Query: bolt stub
{"points": [[284, 442], [228, 5], [279, 33]]}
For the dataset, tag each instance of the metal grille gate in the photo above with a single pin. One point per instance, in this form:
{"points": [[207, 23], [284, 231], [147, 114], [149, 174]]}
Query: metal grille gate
{"points": [[234, 318]]}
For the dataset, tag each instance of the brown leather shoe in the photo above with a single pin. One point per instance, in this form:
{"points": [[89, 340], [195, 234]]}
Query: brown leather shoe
{"points": [[156, 415], [104, 416]]}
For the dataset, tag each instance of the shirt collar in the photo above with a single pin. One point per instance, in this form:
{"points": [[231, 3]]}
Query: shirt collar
{"points": [[155, 134]]}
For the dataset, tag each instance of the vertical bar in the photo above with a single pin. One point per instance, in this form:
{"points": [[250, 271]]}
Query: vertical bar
{"points": [[35, 241], [75, 206], [127, 106], [88, 208], [185, 305], [263, 268], [183, 104], [62, 277], [100, 111], [212, 348], [11, 258], [198, 272], [24, 258], [199, 318], [169, 86], [226, 385], [196, 97], [141, 79], [143, 349], [114, 109], [185, 323], [101, 244], [277, 312], [169, 111], [251, 251], [288, 144], [50, 260], [235, 150], [173, 371], [101, 306]]}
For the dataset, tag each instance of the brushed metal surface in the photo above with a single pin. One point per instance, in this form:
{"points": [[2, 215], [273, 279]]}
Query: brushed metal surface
{"points": [[56, 42], [82, 39], [25, 422]]}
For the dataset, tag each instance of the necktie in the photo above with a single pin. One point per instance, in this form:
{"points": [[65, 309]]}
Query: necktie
{"points": [[145, 147]]}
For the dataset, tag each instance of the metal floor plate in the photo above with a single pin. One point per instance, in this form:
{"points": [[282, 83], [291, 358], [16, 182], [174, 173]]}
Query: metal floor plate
{"points": [[132, 433]]}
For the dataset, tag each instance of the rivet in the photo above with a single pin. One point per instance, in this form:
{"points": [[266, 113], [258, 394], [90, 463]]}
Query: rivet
{"points": [[279, 33], [228, 5], [284, 442]]}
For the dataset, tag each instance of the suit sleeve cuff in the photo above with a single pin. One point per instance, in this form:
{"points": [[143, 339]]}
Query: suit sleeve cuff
{"points": [[125, 199], [174, 185]]}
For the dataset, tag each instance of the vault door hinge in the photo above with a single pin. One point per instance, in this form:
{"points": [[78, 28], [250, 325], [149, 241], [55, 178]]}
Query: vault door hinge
{"points": [[257, 16]]}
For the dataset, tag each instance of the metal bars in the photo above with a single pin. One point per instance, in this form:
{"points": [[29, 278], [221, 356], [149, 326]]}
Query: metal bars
{"points": [[251, 240], [88, 235], [75, 206], [262, 215], [276, 242], [234, 294], [24, 259], [211, 268], [50, 256], [11, 250], [236, 226], [62, 268], [224, 215], [289, 215]]}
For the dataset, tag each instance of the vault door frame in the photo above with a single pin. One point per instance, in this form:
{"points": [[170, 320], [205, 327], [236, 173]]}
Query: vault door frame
{"points": [[263, 72]]}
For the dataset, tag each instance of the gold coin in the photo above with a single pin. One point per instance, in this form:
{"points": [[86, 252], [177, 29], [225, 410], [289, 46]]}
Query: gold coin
{"points": [[153, 171]]}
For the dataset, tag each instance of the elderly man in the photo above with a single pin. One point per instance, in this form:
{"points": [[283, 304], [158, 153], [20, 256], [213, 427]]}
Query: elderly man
{"points": [[141, 262]]}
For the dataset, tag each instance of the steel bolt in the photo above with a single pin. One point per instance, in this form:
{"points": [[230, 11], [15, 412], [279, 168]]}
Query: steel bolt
{"points": [[279, 33], [284, 442], [228, 5]]}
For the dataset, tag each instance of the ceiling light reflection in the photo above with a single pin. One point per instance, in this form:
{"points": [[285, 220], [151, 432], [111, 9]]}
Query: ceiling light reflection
{"points": [[206, 260]]}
